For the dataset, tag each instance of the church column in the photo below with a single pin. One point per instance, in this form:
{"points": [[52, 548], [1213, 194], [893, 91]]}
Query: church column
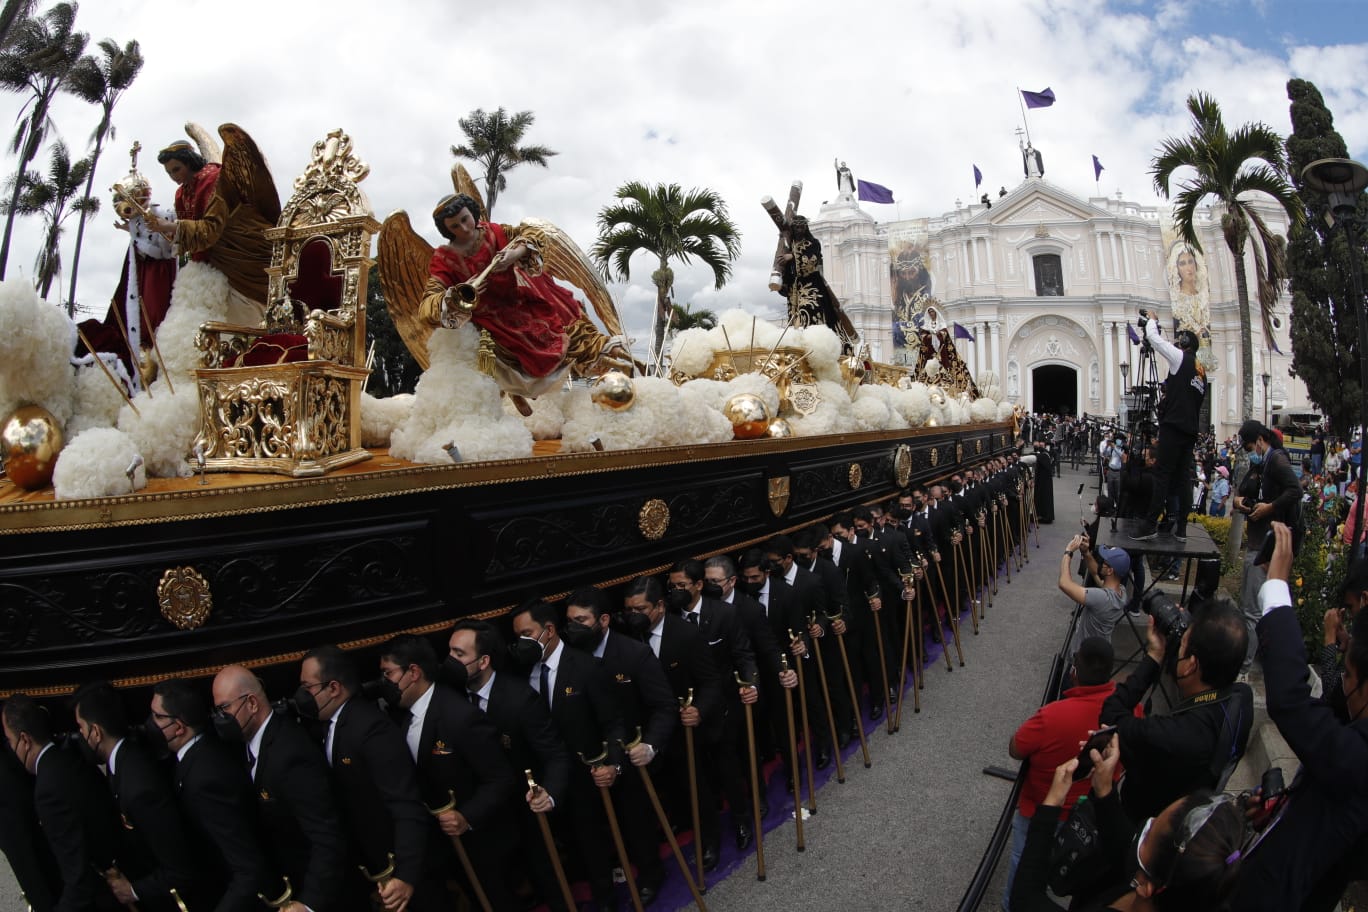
{"points": [[980, 362], [1108, 372], [996, 348]]}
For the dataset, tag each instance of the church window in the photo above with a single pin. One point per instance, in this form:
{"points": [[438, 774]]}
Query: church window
{"points": [[1049, 275]]}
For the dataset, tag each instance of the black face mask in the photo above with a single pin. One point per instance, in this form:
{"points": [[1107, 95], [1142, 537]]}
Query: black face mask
{"points": [[388, 691], [156, 738], [454, 673], [304, 705], [580, 637], [826, 552], [524, 652], [751, 589], [87, 752], [712, 590], [634, 624], [678, 600], [227, 727]]}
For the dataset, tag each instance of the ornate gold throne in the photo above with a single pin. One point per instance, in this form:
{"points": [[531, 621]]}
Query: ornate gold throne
{"points": [[285, 396]]}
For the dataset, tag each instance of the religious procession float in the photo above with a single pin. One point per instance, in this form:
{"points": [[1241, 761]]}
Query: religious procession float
{"points": [[216, 487]]}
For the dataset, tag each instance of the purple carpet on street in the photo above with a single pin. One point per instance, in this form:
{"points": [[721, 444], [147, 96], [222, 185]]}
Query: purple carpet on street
{"points": [[874, 193], [1038, 99], [962, 333]]}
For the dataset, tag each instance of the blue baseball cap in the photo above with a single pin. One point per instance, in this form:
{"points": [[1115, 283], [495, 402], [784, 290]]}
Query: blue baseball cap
{"points": [[1115, 558]]}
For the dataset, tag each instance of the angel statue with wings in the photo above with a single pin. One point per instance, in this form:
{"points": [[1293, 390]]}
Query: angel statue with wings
{"points": [[500, 278]]}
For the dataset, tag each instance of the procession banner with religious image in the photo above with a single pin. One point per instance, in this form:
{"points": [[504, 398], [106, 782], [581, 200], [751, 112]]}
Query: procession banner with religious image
{"points": [[1185, 272], [912, 286]]}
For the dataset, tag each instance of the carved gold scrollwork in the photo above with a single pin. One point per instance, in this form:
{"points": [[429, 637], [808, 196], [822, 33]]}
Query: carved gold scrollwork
{"points": [[653, 519], [978, 447], [779, 495], [959, 451], [935, 456], [856, 475], [184, 598], [902, 465]]}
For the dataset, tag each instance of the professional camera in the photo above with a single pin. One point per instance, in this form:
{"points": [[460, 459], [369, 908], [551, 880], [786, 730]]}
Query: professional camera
{"points": [[1144, 318], [1170, 621]]}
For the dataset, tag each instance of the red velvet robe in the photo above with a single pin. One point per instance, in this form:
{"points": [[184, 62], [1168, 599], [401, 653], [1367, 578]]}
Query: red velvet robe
{"points": [[527, 316], [193, 201]]}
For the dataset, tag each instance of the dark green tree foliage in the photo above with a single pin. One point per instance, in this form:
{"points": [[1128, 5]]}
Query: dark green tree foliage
{"points": [[54, 197], [393, 371], [1325, 351], [493, 142]]}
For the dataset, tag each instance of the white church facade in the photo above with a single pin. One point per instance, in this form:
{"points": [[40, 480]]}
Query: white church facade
{"points": [[1046, 283]]}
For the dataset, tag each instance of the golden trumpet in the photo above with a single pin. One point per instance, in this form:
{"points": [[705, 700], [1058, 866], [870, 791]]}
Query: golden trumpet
{"points": [[467, 294]]}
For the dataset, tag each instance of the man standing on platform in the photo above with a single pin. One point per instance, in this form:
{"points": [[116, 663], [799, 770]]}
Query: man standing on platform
{"points": [[1184, 389]]}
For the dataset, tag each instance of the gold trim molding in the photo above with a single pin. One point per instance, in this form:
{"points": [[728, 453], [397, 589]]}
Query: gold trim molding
{"points": [[184, 597]]}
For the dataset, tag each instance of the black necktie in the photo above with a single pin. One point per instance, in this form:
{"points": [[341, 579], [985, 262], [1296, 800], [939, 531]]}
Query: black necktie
{"points": [[691, 617], [546, 684]]}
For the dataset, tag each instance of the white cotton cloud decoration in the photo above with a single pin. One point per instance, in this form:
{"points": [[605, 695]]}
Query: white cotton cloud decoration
{"points": [[36, 343], [661, 415], [983, 410], [914, 403], [1004, 411], [455, 403], [876, 409], [692, 351], [744, 330], [200, 295], [823, 349], [547, 418], [834, 415], [379, 417], [97, 401], [95, 464]]}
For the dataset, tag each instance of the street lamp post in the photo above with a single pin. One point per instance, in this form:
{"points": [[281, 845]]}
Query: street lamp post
{"points": [[1342, 180], [1265, 377]]}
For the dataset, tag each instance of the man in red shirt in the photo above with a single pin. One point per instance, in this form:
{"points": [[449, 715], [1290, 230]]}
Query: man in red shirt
{"points": [[1056, 733]]}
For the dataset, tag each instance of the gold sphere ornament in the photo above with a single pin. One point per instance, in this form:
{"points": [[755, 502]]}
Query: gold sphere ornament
{"points": [[748, 416], [29, 443], [780, 427], [614, 391]]}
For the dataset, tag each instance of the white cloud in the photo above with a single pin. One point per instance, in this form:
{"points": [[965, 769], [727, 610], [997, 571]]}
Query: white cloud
{"points": [[739, 97]]}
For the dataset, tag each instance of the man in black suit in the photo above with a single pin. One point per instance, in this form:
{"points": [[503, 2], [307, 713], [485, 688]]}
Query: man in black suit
{"points": [[813, 575], [581, 703], [375, 781], [20, 838], [456, 750], [727, 642], [865, 598], [214, 794], [648, 707], [153, 854], [73, 806], [677, 648], [294, 793], [525, 732]]}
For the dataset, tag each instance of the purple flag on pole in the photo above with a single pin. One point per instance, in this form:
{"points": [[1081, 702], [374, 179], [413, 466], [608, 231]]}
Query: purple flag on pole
{"points": [[1130, 331], [874, 193], [1097, 169], [1038, 99], [978, 177], [962, 333]]}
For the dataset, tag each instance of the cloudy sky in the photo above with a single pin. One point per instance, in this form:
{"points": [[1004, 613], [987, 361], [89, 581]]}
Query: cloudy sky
{"points": [[742, 96]]}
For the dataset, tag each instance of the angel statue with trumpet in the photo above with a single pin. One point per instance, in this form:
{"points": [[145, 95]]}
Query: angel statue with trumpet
{"points": [[500, 278]]}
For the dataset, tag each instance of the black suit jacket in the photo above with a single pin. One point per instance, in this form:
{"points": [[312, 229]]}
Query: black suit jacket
{"points": [[856, 565], [641, 689], [299, 813], [377, 790], [215, 797], [765, 646], [687, 663], [726, 639], [833, 582], [80, 821], [153, 851], [527, 734], [583, 707], [27, 853], [458, 751], [785, 613]]}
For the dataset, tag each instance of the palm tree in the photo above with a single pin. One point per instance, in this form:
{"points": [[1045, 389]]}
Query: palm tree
{"points": [[493, 142], [100, 82], [685, 318], [55, 198], [40, 53], [670, 224], [1230, 166], [12, 13]]}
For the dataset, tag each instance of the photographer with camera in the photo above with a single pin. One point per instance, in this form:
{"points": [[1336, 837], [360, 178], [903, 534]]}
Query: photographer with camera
{"points": [[1102, 605], [1198, 743], [1186, 858], [1308, 854], [1184, 389]]}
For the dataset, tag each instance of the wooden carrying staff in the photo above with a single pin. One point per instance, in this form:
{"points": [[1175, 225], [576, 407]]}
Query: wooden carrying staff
{"points": [[850, 685], [545, 825], [685, 703], [883, 670], [935, 613], [614, 829], [461, 855], [964, 576], [951, 615], [664, 824], [807, 730], [755, 780], [826, 703], [909, 594], [793, 757]]}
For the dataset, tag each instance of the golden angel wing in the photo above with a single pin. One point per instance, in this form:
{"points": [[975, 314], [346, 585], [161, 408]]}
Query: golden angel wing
{"points": [[403, 257], [245, 178], [565, 260], [464, 183], [209, 148]]}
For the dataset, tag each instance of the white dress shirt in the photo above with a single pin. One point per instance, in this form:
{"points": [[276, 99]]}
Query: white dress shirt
{"points": [[415, 727], [552, 662]]}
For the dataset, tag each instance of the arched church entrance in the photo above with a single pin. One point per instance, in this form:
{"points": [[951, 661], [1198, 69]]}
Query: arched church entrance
{"points": [[1054, 389]]}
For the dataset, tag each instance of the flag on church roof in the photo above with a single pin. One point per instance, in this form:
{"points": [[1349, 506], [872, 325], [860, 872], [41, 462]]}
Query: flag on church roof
{"points": [[1130, 331], [874, 193], [978, 177], [1097, 169], [1038, 99], [962, 333]]}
